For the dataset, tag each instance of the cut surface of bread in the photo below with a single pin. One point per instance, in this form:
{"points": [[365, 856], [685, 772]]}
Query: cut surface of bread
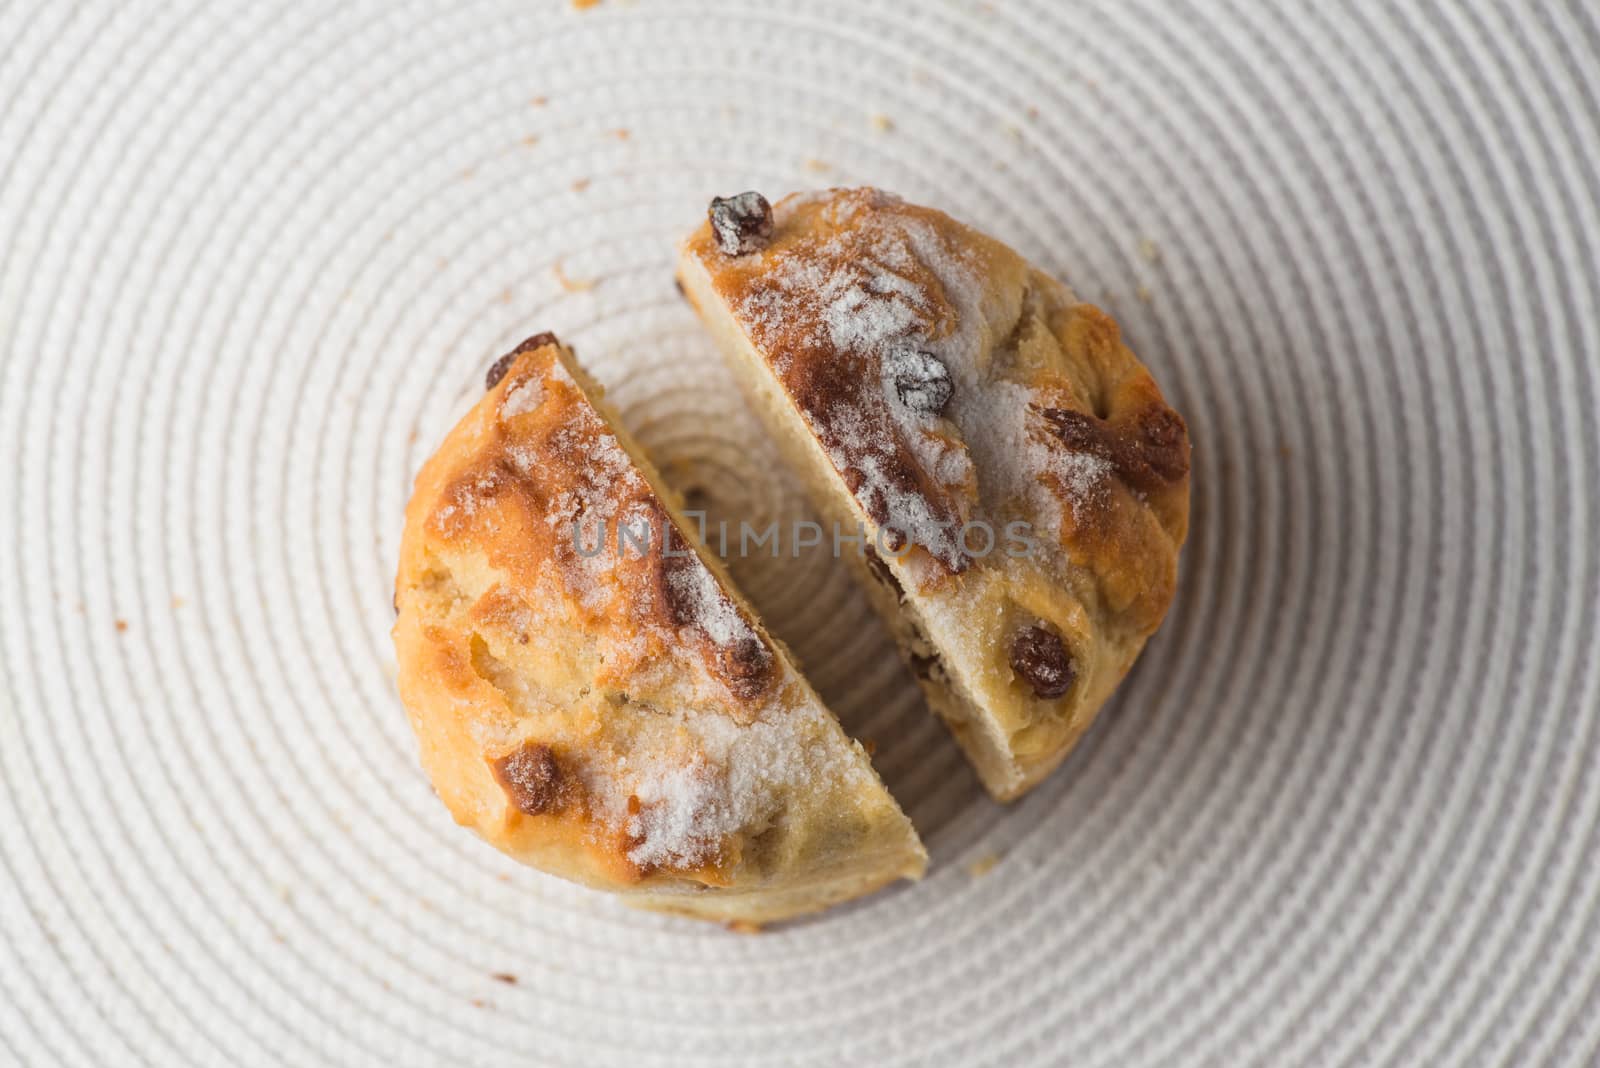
{"points": [[1021, 481], [591, 695]]}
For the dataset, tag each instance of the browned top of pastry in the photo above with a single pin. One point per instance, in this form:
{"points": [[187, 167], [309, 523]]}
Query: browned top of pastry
{"points": [[949, 382], [545, 484], [604, 706]]}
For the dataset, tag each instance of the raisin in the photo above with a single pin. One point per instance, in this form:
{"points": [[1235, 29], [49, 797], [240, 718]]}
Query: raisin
{"points": [[1038, 655], [746, 666], [1147, 452], [537, 341], [531, 777], [498, 369], [1159, 454], [921, 380], [742, 223], [1078, 430]]}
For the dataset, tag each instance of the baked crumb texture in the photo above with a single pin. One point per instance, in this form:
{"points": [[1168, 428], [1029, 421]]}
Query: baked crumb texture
{"points": [[610, 714], [922, 377]]}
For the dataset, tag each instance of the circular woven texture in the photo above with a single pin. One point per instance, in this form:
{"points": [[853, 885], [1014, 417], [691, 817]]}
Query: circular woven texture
{"points": [[254, 260]]}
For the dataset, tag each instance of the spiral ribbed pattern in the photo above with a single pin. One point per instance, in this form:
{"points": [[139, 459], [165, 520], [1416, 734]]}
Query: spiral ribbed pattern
{"points": [[255, 258]]}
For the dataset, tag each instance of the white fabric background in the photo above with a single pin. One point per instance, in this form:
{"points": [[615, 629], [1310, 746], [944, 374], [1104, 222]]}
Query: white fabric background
{"points": [[254, 259]]}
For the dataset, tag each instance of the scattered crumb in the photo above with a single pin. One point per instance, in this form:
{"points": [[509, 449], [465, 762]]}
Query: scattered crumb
{"points": [[505, 296], [538, 102], [1285, 452], [1143, 293], [504, 977], [744, 927], [1149, 250], [870, 745], [622, 133], [122, 625], [882, 123], [467, 174], [411, 438], [178, 602], [479, 1003], [571, 285], [530, 140], [817, 166], [983, 865], [580, 185], [1013, 131], [584, 5]]}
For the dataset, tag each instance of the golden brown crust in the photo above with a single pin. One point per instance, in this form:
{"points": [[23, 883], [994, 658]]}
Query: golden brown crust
{"points": [[943, 381], [530, 492], [594, 704]]}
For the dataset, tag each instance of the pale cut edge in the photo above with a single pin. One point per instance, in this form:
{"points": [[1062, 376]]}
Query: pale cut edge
{"points": [[759, 905], [979, 736]]}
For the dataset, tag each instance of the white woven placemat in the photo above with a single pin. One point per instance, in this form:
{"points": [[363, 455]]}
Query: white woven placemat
{"points": [[254, 259]]}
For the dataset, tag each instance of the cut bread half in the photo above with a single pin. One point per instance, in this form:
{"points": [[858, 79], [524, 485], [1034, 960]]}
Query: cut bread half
{"points": [[590, 693], [1022, 485]]}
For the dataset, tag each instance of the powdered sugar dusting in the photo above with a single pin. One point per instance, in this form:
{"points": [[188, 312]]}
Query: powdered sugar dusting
{"points": [[707, 606], [684, 815], [524, 398], [723, 778], [857, 301], [673, 768], [887, 289], [1083, 473]]}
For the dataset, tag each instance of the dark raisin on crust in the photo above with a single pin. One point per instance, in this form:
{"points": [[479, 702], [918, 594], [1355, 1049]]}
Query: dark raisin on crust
{"points": [[921, 380], [1147, 451], [741, 223], [746, 666], [498, 369], [1077, 430], [1039, 657], [537, 341], [1157, 452], [531, 778]]}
